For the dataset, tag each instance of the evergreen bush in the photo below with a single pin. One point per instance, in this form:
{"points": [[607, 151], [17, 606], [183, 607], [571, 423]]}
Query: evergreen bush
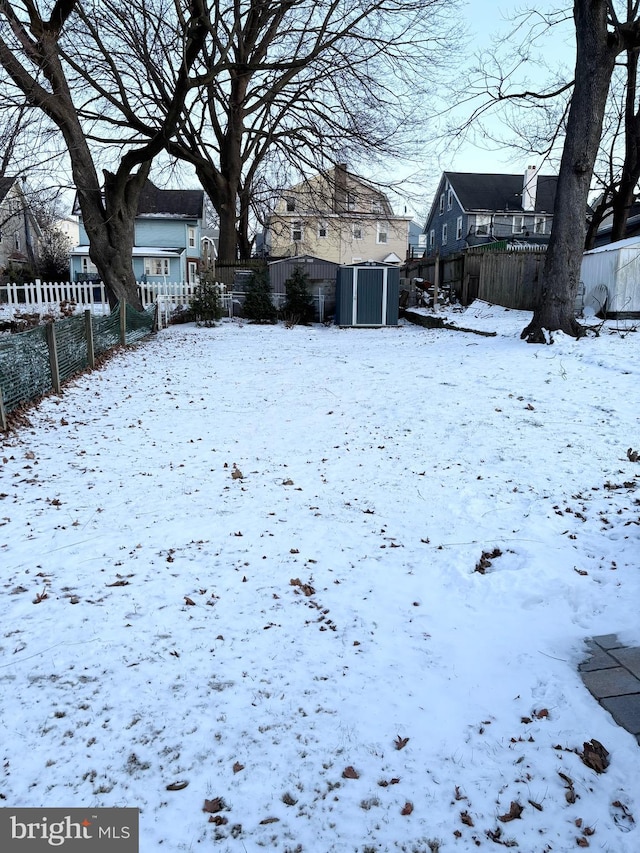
{"points": [[298, 306], [258, 305], [206, 303]]}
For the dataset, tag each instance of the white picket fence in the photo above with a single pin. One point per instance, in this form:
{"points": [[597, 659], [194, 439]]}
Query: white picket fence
{"points": [[42, 298]]}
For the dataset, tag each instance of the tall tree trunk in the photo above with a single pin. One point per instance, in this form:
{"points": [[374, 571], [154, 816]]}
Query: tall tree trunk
{"points": [[595, 58], [626, 190]]}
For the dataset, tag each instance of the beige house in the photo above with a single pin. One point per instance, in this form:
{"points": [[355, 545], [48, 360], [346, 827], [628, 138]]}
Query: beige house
{"points": [[338, 217]]}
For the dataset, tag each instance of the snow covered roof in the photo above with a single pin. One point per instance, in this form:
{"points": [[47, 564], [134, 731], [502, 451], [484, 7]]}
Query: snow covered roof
{"points": [[139, 252], [627, 243]]}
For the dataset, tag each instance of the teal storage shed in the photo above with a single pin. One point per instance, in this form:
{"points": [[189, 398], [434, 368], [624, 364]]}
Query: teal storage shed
{"points": [[367, 295]]}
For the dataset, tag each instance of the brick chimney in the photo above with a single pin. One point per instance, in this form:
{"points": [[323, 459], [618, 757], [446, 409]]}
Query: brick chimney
{"points": [[530, 188], [340, 188]]}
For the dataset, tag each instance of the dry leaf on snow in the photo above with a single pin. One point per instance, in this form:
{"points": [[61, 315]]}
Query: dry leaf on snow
{"points": [[515, 811], [217, 804], [350, 773]]}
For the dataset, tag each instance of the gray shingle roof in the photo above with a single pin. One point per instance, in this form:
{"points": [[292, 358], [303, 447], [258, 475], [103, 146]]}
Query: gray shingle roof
{"points": [[5, 185], [157, 202], [500, 192]]}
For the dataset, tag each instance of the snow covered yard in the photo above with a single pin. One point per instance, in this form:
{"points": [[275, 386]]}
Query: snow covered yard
{"points": [[369, 641]]}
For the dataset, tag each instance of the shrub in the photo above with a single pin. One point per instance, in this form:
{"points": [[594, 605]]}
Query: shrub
{"points": [[206, 303], [258, 306], [298, 306]]}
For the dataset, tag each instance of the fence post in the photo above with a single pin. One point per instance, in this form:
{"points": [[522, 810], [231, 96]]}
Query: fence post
{"points": [[88, 331], [53, 357], [4, 426], [123, 322]]}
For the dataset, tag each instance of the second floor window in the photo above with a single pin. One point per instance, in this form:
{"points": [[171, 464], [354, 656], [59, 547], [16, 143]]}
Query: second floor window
{"points": [[383, 232], [17, 245], [449, 199], [518, 225], [323, 230], [540, 226], [357, 232], [296, 232], [291, 205], [192, 237], [442, 204], [432, 238], [444, 234], [459, 228]]}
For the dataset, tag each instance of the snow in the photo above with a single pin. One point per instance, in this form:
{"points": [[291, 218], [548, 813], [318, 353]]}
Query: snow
{"points": [[165, 620]]}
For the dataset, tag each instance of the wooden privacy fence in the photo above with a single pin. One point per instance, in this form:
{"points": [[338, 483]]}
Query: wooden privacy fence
{"points": [[40, 360], [508, 276]]}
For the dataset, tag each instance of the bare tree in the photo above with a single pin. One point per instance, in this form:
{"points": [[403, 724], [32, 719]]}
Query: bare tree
{"points": [[36, 55], [600, 37], [298, 84]]}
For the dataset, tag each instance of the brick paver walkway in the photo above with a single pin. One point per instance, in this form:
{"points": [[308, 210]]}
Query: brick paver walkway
{"points": [[612, 675]]}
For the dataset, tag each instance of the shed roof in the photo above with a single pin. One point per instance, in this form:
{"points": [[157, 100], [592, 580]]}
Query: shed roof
{"points": [[627, 243]]}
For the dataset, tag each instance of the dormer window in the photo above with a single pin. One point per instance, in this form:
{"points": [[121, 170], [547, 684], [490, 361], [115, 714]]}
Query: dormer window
{"points": [[449, 198], [441, 204]]}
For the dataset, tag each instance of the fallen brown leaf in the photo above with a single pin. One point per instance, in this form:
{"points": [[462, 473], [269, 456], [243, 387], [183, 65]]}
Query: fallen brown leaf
{"points": [[237, 767], [401, 742], [465, 817], [189, 601], [407, 808], [269, 820], [350, 773], [215, 805], [595, 756], [515, 811]]}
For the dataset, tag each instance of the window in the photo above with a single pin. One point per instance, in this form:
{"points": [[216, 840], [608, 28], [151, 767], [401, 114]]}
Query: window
{"points": [[291, 205], [192, 272], [383, 232], [16, 241], [449, 198], [444, 234], [191, 232], [296, 231], [422, 241], [323, 230], [483, 224], [441, 204], [540, 225], [459, 228], [357, 232], [351, 201], [376, 205], [86, 266], [432, 238], [518, 225], [156, 266]]}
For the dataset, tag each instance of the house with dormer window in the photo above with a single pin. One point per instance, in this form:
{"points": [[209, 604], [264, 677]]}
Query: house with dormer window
{"points": [[338, 217], [471, 209], [168, 244]]}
